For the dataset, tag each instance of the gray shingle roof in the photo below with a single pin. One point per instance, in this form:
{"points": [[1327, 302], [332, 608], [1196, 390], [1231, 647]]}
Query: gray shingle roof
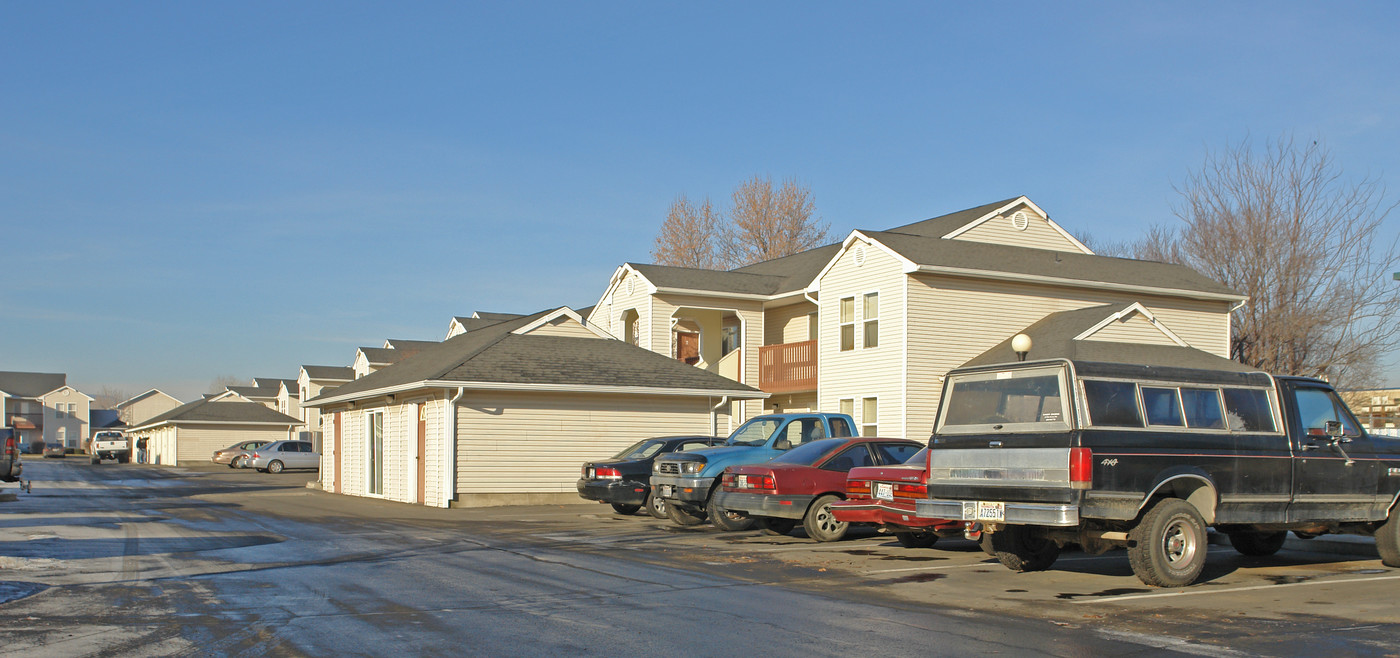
{"points": [[492, 354], [404, 345], [485, 315], [31, 384], [330, 373], [1052, 337], [1090, 269], [253, 392], [690, 278], [383, 354], [143, 396], [222, 412], [942, 225], [472, 324]]}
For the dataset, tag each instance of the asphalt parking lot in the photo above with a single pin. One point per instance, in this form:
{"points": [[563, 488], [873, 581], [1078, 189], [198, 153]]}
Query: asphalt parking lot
{"points": [[188, 543]]}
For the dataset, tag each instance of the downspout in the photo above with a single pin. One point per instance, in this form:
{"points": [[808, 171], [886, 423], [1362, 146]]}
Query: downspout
{"points": [[449, 458], [714, 415]]}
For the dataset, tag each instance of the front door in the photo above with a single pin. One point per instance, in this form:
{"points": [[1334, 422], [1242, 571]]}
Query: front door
{"points": [[1337, 481], [422, 452], [336, 457], [374, 449]]}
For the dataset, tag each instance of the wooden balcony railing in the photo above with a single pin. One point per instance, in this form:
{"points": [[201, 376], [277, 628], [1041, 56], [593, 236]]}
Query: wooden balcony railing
{"points": [[788, 367]]}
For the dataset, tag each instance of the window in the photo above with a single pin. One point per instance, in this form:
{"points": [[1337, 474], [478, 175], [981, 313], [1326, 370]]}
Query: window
{"points": [[808, 453], [869, 417], [803, 431], [62, 435], [870, 314], [812, 326], [1025, 400], [1248, 410], [1316, 407], [374, 448], [897, 453], [1162, 405], [848, 323], [1202, 407], [58, 411], [843, 462], [1112, 404], [728, 339], [839, 427]]}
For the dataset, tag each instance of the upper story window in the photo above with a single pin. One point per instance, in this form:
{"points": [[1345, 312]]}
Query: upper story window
{"points": [[870, 315], [848, 323]]}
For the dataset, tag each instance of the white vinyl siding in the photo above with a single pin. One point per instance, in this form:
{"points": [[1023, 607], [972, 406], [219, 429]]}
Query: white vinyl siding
{"points": [[860, 373], [954, 319], [534, 442], [196, 444], [1037, 235], [788, 324]]}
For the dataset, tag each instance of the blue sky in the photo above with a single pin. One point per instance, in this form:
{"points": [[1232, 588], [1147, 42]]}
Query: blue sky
{"points": [[190, 190]]}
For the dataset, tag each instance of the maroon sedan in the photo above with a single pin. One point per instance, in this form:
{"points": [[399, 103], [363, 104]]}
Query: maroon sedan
{"points": [[802, 483], [885, 495]]}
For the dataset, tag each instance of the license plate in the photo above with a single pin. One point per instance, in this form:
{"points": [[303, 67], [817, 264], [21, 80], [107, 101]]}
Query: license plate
{"points": [[884, 490], [668, 490], [984, 511], [741, 481]]}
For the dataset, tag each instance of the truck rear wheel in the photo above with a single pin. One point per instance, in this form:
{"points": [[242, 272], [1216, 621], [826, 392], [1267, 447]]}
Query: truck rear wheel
{"points": [[1257, 544], [1018, 549], [1168, 548], [1388, 539]]}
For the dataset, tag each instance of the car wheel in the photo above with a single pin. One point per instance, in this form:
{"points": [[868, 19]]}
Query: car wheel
{"points": [[725, 519], [682, 517], [774, 526], [1017, 548], [819, 522], [274, 467], [917, 539], [1388, 539], [656, 506], [95, 460], [1168, 548], [625, 510], [1257, 544]]}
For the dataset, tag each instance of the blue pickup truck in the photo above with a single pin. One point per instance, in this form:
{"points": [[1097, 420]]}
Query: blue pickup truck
{"points": [[687, 480]]}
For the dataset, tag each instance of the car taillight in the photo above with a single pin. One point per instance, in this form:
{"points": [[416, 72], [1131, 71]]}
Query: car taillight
{"points": [[255, 455], [583, 471], [727, 480], [910, 491], [859, 488], [607, 474], [1081, 468], [10, 443], [761, 482]]}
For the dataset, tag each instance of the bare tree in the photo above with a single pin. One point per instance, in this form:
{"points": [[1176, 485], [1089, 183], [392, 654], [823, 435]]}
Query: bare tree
{"points": [[768, 223], [688, 237], [222, 382], [1282, 226], [108, 397]]}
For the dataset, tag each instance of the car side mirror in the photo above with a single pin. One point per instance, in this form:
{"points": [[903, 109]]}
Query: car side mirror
{"points": [[1333, 428], [782, 444]]}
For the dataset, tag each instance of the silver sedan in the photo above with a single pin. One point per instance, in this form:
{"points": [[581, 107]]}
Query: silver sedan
{"points": [[278, 456]]}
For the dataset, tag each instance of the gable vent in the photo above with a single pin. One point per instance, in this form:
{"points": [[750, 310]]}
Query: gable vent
{"points": [[860, 255], [630, 285], [1020, 220]]}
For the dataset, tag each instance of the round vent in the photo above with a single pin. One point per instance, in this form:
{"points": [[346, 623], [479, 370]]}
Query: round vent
{"points": [[1020, 220], [860, 254]]}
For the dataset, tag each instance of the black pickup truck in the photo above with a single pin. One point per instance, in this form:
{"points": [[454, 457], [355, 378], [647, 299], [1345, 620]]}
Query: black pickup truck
{"points": [[1108, 455]]}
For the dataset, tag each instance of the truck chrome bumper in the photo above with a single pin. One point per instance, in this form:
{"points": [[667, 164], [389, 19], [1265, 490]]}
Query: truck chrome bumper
{"points": [[1048, 514]]}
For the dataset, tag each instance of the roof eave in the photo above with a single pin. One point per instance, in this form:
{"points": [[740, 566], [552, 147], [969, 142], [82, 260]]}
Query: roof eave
{"points": [[554, 388], [1082, 283]]}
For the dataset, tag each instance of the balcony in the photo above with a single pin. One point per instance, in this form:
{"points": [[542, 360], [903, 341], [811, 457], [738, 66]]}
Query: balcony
{"points": [[788, 367]]}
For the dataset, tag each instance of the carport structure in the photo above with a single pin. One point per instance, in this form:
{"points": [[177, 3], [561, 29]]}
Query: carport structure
{"points": [[505, 413]]}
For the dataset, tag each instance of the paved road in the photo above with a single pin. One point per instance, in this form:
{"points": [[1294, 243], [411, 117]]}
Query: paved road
{"points": [[132, 560]]}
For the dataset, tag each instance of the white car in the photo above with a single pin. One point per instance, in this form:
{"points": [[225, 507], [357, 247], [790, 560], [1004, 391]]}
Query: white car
{"points": [[278, 456]]}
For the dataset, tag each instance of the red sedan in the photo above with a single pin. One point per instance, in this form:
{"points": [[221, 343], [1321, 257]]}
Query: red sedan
{"points": [[885, 495], [803, 483]]}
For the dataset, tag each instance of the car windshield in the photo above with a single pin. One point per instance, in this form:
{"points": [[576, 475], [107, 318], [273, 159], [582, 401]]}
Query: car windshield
{"points": [[641, 449], [754, 432], [1014, 400], [809, 453]]}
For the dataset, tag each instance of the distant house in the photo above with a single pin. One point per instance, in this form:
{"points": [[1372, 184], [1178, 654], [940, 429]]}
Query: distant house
{"points": [[870, 326], [506, 412], [147, 405], [311, 382], [43, 407], [192, 432], [1378, 409]]}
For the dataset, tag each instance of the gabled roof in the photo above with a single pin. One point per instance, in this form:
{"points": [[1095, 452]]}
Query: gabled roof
{"points": [[485, 315], [986, 260], [251, 392], [219, 411], [329, 373], [666, 277], [148, 394], [497, 358], [1056, 337], [31, 384], [942, 225], [381, 355], [405, 345]]}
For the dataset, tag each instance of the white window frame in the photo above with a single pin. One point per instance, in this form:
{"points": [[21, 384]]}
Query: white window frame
{"points": [[865, 320], [369, 449], [875, 426], [844, 323]]}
